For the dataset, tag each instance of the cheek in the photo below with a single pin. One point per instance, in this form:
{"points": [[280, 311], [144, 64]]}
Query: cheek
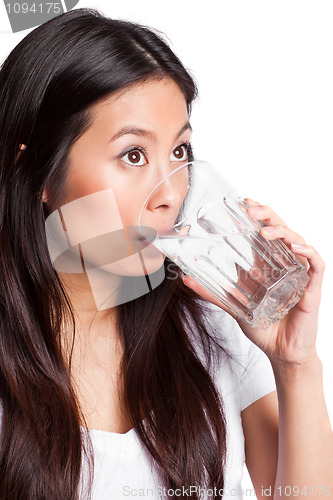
{"points": [[83, 183], [129, 204], [88, 169], [86, 178]]}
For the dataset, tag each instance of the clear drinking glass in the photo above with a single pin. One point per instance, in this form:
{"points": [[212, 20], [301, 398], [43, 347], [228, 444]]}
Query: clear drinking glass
{"points": [[206, 231]]}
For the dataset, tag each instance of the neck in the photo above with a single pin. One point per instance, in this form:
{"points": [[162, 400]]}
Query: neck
{"points": [[91, 323]]}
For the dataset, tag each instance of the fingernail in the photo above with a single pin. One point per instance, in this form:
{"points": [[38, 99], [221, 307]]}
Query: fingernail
{"points": [[268, 229], [297, 246], [253, 202]]}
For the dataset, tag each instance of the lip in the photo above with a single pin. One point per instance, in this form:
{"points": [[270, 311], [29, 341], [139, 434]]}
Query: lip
{"points": [[160, 232], [144, 241], [148, 246]]}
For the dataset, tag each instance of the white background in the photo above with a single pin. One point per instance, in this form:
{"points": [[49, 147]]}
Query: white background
{"points": [[265, 110]]}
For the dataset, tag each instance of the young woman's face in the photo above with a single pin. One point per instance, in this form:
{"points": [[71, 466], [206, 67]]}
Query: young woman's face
{"points": [[137, 137]]}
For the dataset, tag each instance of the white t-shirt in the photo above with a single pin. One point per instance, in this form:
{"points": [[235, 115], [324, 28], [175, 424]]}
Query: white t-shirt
{"points": [[123, 467]]}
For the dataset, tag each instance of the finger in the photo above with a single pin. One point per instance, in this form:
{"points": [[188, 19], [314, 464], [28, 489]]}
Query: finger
{"points": [[287, 235], [283, 232], [316, 270], [264, 213], [252, 203]]}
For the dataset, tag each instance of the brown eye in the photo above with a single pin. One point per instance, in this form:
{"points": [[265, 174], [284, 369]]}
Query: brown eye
{"points": [[134, 157], [179, 153]]}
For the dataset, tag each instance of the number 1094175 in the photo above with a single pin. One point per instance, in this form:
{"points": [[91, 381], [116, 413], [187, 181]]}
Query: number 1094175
{"points": [[35, 8]]}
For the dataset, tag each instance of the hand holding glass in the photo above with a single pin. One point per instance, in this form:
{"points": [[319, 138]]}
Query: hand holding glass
{"points": [[210, 236]]}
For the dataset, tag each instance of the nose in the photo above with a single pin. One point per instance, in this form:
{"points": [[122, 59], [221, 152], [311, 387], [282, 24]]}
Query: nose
{"points": [[165, 200]]}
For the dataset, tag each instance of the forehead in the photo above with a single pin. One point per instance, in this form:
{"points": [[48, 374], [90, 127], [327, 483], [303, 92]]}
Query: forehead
{"points": [[149, 104]]}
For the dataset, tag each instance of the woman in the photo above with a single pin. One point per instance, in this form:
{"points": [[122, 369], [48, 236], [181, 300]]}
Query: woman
{"points": [[166, 384]]}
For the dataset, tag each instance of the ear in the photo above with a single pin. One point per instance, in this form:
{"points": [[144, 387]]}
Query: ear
{"points": [[45, 196], [21, 148]]}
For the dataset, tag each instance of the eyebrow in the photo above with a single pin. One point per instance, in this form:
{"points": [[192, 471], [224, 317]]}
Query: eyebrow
{"points": [[146, 133]]}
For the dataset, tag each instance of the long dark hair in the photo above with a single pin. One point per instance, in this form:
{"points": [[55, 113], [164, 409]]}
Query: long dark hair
{"points": [[47, 85]]}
